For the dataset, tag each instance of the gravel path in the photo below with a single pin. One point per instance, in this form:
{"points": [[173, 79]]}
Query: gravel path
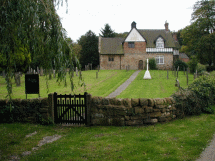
{"points": [[209, 153], [124, 85]]}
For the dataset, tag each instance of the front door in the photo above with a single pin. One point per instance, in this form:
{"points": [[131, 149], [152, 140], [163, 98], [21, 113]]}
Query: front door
{"points": [[140, 66]]}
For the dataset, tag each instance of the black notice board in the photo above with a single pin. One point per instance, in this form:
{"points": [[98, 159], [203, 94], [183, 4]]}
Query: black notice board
{"points": [[31, 83]]}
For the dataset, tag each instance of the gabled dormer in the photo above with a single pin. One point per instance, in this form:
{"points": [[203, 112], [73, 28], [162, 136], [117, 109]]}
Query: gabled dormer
{"points": [[159, 42]]}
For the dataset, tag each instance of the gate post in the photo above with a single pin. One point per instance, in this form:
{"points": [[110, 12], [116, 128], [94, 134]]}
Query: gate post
{"points": [[51, 106], [88, 113], [55, 107]]}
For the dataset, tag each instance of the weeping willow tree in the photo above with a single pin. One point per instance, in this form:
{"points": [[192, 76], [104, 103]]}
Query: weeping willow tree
{"points": [[35, 26]]}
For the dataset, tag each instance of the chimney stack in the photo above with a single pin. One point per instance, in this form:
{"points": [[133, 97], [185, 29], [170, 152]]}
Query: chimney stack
{"points": [[166, 26], [174, 35], [133, 25]]}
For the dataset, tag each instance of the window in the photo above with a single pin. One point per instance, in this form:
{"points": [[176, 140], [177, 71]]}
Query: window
{"points": [[159, 43], [159, 59], [111, 58], [131, 44]]}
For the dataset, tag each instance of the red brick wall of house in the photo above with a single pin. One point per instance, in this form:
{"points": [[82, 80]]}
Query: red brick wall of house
{"points": [[140, 47], [132, 57]]}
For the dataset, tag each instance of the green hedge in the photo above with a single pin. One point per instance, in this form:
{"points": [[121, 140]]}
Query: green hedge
{"points": [[182, 65], [152, 64], [198, 98]]}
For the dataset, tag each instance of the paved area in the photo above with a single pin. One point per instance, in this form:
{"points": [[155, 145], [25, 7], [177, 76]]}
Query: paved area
{"points": [[209, 153], [124, 85]]}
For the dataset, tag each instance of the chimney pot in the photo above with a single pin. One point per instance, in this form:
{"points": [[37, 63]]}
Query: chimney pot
{"points": [[133, 25], [166, 26]]}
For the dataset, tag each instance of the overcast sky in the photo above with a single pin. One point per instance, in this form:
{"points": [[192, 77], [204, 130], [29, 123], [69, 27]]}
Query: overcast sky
{"points": [[85, 15]]}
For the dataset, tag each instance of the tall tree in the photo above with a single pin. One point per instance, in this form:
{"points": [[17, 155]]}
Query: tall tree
{"points": [[35, 26], [198, 38], [107, 31], [204, 14], [89, 52]]}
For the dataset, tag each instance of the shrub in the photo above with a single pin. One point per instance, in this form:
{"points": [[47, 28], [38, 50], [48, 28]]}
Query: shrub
{"points": [[198, 97], [181, 65], [187, 103], [204, 87], [200, 68], [152, 64], [193, 64]]}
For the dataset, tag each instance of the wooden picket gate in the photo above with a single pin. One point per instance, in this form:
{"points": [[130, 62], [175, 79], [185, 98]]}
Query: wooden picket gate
{"points": [[70, 109]]}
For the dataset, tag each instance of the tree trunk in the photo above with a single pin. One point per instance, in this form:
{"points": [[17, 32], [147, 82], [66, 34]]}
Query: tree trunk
{"points": [[17, 79]]}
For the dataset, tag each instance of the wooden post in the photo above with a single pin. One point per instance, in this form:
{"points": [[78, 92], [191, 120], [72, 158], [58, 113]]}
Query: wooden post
{"points": [[51, 109], [187, 77], [177, 71], [174, 72], [54, 73], [55, 107], [72, 73], [76, 70], [3, 73], [41, 71], [17, 79], [50, 74], [96, 75], [167, 74], [88, 110]]}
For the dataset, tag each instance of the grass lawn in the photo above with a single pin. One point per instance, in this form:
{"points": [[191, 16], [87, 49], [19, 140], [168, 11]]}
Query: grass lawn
{"points": [[182, 139], [107, 82], [157, 87]]}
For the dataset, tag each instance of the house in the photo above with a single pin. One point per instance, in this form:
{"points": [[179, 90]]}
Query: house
{"points": [[183, 57], [140, 44]]}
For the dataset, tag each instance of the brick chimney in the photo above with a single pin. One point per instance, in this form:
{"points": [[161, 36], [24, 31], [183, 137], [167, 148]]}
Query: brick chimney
{"points": [[133, 25], [166, 26], [174, 35]]}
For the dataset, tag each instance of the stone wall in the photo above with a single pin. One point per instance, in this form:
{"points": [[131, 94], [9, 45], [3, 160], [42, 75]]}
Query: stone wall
{"points": [[101, 111], [38, 110], [128, 112], [105, 64]]}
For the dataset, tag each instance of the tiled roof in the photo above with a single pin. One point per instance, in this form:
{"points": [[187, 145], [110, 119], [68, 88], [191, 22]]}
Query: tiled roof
{"points": [[111, 45], [114, 45], [183, 56], [152, 35]]}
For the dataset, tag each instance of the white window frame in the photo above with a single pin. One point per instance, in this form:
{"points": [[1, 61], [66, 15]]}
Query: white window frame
{"points": [[159, 58], [160, 43]]}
